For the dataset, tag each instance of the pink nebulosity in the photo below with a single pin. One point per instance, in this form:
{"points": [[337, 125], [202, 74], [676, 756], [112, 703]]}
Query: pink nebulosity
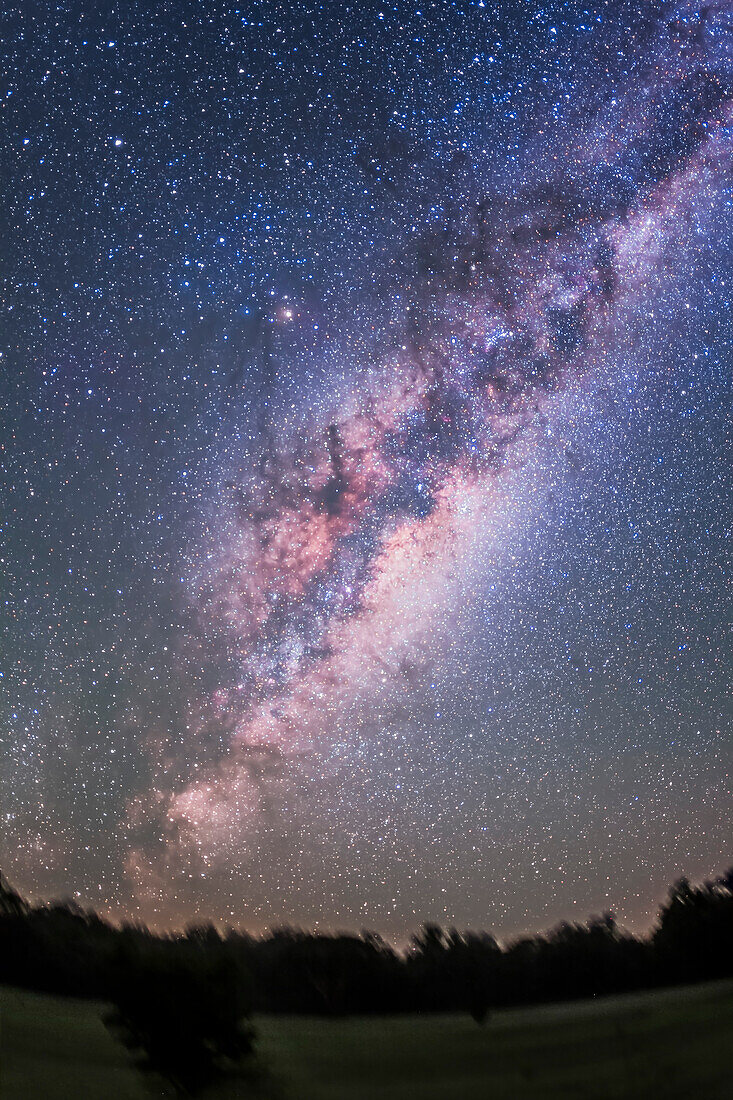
{"points": [[351, 547]]}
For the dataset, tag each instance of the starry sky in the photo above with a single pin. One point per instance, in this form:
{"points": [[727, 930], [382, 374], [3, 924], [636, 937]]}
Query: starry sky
{"points": [[366, 376]]}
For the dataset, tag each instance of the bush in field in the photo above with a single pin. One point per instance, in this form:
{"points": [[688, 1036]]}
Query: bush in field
{"points": [[183, 1016]]}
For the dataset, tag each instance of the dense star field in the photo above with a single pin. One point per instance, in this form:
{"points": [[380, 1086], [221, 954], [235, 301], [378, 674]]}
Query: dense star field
{"points": [[367, 470]]}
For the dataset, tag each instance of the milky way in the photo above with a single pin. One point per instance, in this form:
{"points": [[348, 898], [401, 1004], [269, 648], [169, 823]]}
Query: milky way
{"points": [[437, 626]]}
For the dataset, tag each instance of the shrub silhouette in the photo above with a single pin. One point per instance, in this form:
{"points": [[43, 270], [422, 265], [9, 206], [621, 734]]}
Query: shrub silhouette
{"points": [[182, 1015]]}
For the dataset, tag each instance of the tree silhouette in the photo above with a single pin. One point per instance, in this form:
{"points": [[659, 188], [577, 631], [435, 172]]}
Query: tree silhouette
{"points": [[63, 948]]}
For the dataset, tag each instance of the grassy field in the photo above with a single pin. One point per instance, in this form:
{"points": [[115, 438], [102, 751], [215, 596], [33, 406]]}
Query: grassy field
{"points": [[653, 1046]]}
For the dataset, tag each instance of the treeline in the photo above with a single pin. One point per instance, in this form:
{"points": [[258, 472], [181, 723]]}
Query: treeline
{"points": [[61, 948]]}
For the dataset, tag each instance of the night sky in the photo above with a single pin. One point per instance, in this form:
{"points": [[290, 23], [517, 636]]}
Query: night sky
{"points": [[366, 377]]}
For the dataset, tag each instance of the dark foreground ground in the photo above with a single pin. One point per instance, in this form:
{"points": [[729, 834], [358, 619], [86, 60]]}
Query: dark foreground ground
{"points": [[653, 1046]]}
